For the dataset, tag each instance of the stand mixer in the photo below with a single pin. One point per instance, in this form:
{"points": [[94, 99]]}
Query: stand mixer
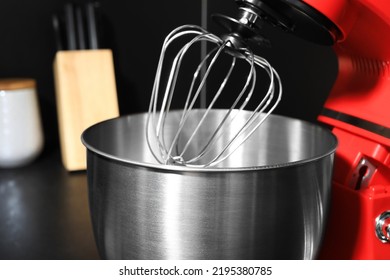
{"points": [[357, 110]]}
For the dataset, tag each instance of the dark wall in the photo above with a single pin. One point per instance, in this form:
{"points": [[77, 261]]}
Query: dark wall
{"points": [[134, 30]]}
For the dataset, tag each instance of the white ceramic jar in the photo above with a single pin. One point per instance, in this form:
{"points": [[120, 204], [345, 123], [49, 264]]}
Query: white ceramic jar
{"points": [[21, 135]]}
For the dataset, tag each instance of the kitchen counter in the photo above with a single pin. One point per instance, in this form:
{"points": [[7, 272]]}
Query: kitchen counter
{"points": [[44, 212]]}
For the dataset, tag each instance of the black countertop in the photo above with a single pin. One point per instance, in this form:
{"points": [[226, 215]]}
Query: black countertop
{"points": [[44, 212]]}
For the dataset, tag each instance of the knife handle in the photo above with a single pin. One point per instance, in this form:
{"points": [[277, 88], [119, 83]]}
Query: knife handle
{"points": [[70, 26], [92, 26]]}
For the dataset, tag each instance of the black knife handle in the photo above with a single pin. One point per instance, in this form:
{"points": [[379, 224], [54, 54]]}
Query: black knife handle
{"points": [[92, 26], [70, 26]]}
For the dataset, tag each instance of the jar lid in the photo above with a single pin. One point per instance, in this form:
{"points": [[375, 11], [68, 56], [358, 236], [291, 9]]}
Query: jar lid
{"points": [[16, 83]]}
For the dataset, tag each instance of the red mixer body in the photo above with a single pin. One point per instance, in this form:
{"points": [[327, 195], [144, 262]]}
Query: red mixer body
{"points": [[358, 110]]}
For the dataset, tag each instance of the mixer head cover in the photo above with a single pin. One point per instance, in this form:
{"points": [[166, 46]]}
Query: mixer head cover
{"points": [[292, 16]]}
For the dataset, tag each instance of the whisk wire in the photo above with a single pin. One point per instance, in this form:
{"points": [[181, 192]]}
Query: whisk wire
{"points": [[216, 135], [250, 58], [257, 113], [157, 135], [186, 110], [171, 88]]}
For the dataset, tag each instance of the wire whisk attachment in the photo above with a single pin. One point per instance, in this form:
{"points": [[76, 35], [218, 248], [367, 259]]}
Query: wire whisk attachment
{"points": [[190, 140]]}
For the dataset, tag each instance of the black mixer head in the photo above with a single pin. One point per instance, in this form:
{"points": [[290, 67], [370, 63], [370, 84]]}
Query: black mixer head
{"points": [[293, 16]]}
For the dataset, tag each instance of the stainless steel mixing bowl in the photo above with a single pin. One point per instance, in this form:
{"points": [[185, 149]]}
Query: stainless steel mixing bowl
{"points": [[269, 200]]}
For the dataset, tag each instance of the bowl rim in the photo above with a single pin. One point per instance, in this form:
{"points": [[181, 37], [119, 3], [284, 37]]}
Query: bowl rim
{"points": [[182, 168]]}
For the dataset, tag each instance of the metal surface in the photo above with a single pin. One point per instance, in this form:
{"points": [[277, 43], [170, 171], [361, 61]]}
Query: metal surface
{"points": [[238, 210], [382, 227], [363, 174]]}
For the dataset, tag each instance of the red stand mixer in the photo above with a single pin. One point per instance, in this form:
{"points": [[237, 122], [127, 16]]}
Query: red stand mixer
{"points": [[357, 110]]}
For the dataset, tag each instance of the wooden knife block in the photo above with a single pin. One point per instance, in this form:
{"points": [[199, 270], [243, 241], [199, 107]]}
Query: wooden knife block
{"points": [[85, 95]]}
